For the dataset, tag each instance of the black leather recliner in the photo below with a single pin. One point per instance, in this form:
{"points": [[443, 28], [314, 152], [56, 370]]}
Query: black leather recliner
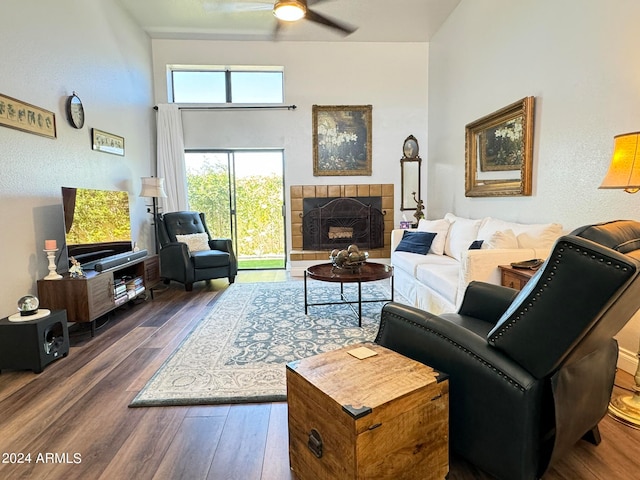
{"points": [[531, 372], [179, 263]]}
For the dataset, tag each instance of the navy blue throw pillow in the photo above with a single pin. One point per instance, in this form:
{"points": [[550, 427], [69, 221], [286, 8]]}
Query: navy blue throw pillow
{"points": [[416, 242], [476, 245]]}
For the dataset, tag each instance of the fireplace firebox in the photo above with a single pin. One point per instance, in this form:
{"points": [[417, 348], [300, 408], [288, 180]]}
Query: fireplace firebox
{"points": [[329, 223]]}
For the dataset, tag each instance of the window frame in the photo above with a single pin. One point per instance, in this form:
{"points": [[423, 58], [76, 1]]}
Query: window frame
{"points": [[227, 70]]}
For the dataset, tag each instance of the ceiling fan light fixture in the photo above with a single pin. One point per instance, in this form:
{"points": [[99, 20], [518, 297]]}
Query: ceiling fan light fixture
{"points": [[289, 10]]}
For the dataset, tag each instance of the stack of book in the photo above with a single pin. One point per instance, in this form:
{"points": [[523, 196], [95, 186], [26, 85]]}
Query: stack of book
{"points": [[135, 287], [120, 291]]}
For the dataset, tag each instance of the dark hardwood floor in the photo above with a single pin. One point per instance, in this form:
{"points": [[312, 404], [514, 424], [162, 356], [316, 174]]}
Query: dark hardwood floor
{"points": [[74, 422]]}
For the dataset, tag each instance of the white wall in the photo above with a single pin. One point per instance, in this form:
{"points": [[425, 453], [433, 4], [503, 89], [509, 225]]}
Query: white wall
{"points": [[391, 77], [50, 49], [575, 56], [578, 58]]}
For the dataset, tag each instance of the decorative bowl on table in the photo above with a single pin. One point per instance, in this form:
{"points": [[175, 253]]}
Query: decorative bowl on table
{"points": [[349, 260]]}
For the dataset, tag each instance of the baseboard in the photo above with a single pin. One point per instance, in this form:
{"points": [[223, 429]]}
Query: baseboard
{"points": [[627, 361]]}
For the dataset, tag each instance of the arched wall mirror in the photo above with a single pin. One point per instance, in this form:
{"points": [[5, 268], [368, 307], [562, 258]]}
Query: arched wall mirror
{"points": [[410, 164]]}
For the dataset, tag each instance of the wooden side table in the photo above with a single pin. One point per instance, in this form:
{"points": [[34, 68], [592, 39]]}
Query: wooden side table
{"points": [[515, 277], [381, 416]]}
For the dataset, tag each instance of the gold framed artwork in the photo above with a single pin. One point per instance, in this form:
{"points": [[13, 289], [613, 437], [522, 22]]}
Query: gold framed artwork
{"points": [[341, 140], [23, 116], [107, 142], [499, 152]]}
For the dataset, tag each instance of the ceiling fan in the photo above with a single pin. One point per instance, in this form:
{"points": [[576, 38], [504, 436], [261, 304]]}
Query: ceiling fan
{"points": [[294, 10], [285, 11]]}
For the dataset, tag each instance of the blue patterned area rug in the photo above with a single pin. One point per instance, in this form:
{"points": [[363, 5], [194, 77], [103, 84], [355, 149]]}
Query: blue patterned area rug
{"points": [[239, 350]]}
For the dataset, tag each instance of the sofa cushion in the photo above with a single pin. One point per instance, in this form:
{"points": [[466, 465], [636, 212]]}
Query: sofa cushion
{"points": [[539, 236], [196, 242], [443, 279], [416, 242], [408, 262], [440, 227], [210, 259], [501, 239], [535, 235], [462, 233]]}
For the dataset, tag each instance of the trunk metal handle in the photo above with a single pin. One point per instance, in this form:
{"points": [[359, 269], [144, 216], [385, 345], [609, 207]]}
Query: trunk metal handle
{"points": [[315, 443]]}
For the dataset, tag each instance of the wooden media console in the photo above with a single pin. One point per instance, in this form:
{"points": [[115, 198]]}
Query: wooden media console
{"points": [[87, 298]]}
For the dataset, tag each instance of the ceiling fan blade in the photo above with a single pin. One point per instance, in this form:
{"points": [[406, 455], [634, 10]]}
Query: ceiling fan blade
{"points": [[217, 7], [317, 18], [276, 30]]}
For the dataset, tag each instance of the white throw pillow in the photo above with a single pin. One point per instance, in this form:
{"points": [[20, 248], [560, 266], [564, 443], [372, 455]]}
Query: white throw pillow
{"points": [[539, 236], [490, 226], [440, 228], [462, 233], [501, 239], [196, 242], [529, 235]]}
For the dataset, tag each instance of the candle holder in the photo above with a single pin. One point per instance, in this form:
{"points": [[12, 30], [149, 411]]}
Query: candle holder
{"points": [[51, 256]]}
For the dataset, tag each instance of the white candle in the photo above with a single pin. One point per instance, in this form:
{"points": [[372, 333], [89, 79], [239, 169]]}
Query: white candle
{"points": [[50, 245]]}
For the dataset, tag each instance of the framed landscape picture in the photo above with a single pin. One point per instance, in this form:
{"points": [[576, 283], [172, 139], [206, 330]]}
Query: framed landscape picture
{"points": [[341, 140]]}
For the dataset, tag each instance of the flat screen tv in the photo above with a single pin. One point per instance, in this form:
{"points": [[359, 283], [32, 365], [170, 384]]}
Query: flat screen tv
{"points": [[97, 224]]}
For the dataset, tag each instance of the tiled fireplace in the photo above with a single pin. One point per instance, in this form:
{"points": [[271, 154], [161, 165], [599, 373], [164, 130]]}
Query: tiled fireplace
{"points": [[378, 196]]}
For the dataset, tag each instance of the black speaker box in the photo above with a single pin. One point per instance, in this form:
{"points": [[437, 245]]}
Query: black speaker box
{"points": [[34, 344]]}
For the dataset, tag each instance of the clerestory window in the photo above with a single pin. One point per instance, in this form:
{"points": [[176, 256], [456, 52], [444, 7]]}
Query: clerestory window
{"points": [[238, 85]]}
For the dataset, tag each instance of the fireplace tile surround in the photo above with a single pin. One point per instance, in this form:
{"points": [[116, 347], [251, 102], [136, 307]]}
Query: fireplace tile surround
{"points": [[300, 192]]}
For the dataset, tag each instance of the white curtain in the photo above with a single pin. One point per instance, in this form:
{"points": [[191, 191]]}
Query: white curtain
{"points": [[171, 165]]}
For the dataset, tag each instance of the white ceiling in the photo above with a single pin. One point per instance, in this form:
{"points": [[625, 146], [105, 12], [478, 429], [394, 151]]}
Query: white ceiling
{"points": [[377, 20]]}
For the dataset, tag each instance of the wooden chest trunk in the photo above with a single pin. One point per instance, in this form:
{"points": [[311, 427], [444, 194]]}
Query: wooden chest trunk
{"points": [[381, 417]]}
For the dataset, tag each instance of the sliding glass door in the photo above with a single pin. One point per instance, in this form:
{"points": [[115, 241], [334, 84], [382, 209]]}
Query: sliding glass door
{"points": [[242, 195]]}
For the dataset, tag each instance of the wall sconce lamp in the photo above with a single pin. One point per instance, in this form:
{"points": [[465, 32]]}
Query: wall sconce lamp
{"points": [[153, 187], [624, 174], [289, 10]]}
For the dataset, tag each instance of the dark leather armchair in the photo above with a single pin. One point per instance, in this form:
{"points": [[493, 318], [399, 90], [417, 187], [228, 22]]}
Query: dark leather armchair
{"points": [[180, 263], [531, 372]]}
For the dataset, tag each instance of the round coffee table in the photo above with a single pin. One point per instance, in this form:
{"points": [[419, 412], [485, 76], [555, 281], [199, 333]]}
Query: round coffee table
{"points": [[369, 272]]}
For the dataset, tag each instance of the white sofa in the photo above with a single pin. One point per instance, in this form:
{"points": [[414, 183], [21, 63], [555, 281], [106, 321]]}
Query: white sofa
{"points": [[436, 282]]}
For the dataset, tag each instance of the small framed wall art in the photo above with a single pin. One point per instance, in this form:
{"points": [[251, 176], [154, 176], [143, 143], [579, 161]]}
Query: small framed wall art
{"points": [[26, 117], [107, 142], [341, 140]]}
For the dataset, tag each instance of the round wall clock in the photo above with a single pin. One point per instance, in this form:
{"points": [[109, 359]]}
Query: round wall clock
{"points": [[410, 147], [75, 112]]}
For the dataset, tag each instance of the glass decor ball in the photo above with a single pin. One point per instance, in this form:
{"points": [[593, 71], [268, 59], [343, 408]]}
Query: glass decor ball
{"points": [[28, 305]]}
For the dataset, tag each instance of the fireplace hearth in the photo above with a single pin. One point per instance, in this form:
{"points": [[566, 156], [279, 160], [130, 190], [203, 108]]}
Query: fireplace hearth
{"points": [[330, 223]]}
